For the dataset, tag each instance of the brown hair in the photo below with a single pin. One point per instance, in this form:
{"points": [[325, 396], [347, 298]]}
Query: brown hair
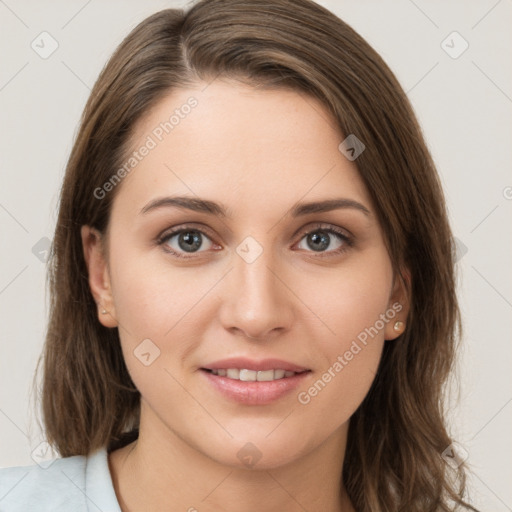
{"points": [[396, 437]]}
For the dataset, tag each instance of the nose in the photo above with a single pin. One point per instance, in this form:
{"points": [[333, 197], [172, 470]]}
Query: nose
{"points": [[257, 302]]}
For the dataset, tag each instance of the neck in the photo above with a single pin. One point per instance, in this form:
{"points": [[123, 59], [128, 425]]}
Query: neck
{"points": [[160, 471]]}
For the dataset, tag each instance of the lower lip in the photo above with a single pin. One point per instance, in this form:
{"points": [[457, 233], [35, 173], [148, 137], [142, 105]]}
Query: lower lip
{"points": [[255, 393]]}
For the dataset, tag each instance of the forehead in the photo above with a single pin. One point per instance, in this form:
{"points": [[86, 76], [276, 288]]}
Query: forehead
{"points": [[245, 146]]}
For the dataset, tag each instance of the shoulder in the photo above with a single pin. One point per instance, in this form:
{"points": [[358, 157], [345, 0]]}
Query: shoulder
{"points": [[58, 485], [51, 486]]}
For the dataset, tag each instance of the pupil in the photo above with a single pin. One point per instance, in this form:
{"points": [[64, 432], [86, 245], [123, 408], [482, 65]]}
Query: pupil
{"points": [[189, 242], [315, 239]]}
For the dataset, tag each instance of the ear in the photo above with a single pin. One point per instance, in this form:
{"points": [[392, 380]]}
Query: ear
{"points": [[99, 277], [399, 303]]}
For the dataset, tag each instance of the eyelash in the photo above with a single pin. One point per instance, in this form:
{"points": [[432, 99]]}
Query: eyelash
{"points": [[347, 240]]}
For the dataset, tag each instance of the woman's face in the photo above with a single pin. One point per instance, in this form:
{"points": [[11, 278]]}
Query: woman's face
{"points": [[263, 278]]}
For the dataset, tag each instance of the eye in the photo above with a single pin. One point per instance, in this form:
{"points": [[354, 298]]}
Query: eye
{"points": [[321, 238], [185, 240], [326, 240]]}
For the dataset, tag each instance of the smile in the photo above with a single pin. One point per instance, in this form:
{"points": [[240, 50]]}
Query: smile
{"points": [[246, 387], [253, 375]]}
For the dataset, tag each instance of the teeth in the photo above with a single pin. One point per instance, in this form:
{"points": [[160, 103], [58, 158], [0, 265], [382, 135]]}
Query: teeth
{"points": [[279, 374], [252, 375], [233, 373], [266, 375], [248, 375]]}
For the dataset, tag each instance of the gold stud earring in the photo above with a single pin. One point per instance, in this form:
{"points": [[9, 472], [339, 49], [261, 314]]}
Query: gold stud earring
{"points": [[399, 326]]}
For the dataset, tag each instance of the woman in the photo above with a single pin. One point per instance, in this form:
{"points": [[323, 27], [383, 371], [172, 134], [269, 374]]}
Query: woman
{"points": [[252, 279]]}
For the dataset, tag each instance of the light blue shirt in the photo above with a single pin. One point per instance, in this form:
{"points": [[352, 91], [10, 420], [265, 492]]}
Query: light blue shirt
{"points": [[69, 484]]}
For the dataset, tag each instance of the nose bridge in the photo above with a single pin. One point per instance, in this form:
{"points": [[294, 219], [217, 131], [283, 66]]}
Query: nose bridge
{"points": [[257, 301], [254, 274], [256, 278]]}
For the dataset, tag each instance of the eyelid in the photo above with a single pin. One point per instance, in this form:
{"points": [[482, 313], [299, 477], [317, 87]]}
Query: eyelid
{"points": [[168, 232], [326, 226]]}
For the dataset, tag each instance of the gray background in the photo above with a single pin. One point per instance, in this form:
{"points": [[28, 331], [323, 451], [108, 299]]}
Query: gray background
{"points": [[463, 104]]}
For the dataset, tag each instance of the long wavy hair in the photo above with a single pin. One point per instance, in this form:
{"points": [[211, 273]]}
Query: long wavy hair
{"points": [[396, 437]]}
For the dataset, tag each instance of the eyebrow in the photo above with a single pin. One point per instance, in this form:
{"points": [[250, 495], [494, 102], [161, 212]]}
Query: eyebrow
{"points": [[219, 210]]}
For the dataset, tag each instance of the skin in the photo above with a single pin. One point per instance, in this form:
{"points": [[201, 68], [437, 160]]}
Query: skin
{"points": [[258, 152]]}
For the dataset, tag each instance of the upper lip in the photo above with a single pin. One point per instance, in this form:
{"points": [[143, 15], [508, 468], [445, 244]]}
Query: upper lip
{"points": [[243, 363]]}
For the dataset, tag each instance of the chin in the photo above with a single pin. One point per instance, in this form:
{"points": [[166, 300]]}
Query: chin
{"points": [[259, 452]]}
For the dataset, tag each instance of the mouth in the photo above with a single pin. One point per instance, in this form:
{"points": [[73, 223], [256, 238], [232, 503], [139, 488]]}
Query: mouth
{"points": [[250, 382]]}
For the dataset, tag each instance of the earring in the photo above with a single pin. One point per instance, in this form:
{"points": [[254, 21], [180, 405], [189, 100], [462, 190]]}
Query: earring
{"points": [[399, 326], [104, 311]]}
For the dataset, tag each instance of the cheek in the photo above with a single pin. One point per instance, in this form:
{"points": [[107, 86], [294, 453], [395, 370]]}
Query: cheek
{"points": [[335, 393], [353, 308], [161, 313], [150, 299], [351, 299]]}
